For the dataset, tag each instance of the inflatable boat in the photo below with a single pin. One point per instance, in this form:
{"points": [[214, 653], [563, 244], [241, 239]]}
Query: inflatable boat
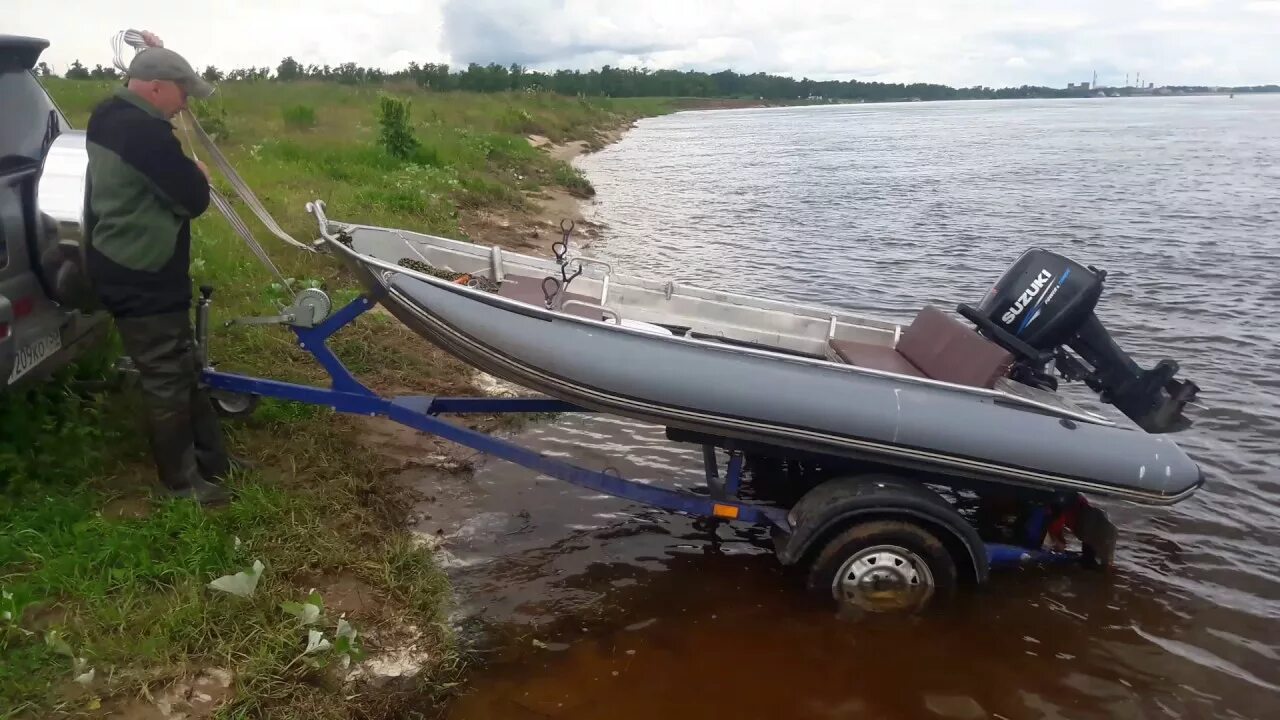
{"points": [[968, 394]]}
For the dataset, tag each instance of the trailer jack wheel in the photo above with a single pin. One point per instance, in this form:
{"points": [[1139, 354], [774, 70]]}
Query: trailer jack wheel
{"points": [[883, 566], [232, 404]]}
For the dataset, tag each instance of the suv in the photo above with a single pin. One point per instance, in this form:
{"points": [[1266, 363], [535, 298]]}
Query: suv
{"points": [[47, 316]]}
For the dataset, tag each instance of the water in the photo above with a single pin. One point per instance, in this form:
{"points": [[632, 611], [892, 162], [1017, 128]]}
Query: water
{"points": [[883, 208]]}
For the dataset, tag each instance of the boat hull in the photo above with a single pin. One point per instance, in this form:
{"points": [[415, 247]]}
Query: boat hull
{"points": [[777, 399]]}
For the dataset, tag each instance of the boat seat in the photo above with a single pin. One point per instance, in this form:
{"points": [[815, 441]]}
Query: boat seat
{"points": [[936, 345], [874, 357], [528, 289]]}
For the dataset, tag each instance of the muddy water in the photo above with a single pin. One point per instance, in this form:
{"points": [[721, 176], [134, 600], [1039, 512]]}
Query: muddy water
{"points": [[583, 606]]}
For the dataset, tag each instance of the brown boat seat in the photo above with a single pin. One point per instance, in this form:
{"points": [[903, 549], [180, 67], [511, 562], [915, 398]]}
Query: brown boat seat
{"points": [[875, 357], [937, 346], [946, 349], [529, 290]]}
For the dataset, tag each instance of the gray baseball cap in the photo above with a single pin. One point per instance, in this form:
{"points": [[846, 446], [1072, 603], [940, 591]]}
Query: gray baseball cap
{"points": [[156, 63]]}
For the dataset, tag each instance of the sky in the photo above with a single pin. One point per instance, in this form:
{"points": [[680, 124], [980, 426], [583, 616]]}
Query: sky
{"points": [[979, 42]]}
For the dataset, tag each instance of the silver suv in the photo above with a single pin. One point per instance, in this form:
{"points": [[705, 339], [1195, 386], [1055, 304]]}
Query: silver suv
{"points": [[47, 312]]}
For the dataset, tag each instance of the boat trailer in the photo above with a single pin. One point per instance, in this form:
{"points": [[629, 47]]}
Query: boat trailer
{"points": [[889, 565]]}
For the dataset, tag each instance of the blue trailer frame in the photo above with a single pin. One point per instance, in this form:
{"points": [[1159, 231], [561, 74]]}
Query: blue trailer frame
{"points": [[422, 412]]}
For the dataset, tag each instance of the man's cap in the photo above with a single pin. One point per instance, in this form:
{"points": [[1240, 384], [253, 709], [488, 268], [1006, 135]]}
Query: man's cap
{"points": [[157, 63]]}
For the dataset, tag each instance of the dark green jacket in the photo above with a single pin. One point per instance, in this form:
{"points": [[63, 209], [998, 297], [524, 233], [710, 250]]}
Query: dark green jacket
{"points": [[143, 192]]}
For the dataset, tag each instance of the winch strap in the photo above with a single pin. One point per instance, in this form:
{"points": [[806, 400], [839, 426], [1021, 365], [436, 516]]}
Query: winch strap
{"points": [[135, 39], [237, 183], [237, 224]]}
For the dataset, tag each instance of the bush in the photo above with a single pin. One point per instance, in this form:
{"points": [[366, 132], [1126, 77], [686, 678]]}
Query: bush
{"points": [[518, 120], [572, 179], [213, 118], [396, 134], [298, 117]]}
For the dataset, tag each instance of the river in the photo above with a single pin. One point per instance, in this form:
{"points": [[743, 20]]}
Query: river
{"points": [[584, 606]]}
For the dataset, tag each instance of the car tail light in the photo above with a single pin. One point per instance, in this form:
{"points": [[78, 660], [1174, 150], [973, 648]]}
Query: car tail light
{"points": [[23, 307], [4, 330]]}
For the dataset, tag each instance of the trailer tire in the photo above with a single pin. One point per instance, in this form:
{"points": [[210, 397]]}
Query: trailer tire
{"points": [[231, 405], [883, 566]]}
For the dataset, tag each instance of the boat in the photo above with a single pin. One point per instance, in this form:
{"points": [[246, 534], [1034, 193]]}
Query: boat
{"points": [[965, 396]]}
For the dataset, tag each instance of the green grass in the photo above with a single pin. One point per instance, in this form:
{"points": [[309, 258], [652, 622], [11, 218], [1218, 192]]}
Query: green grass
{"points": [[126, 591], [298, 117]]}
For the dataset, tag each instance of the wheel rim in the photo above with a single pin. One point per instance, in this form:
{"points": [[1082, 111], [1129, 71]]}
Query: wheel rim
{"points": [[883, 578], [233, 403]]}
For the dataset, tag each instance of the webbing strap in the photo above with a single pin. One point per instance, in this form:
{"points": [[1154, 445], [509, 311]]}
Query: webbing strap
{"points": [[237, 224], [237, 183], [133, 38]]}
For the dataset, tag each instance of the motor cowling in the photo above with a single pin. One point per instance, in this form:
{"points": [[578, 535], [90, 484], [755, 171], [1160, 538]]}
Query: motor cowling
{"points": [[1043, 305]]}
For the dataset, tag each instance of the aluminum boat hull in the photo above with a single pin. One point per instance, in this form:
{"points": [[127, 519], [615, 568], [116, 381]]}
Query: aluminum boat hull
{"points": [[779, 398]]}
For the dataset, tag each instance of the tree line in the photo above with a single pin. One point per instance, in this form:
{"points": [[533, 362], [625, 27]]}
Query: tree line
{"points": [[623, 82]]}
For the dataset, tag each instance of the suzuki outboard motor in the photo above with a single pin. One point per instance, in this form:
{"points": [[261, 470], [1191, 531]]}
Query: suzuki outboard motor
{"points": [[1043, 305]]}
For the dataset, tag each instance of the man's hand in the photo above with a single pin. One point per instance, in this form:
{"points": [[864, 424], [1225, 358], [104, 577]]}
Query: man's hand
{"points": [[152, 39], [204, 170]]}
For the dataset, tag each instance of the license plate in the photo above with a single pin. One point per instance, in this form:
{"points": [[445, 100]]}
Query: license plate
{"points": [[33, 353]]}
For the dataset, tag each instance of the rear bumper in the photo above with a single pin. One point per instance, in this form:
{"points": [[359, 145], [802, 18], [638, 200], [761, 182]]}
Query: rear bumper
{"points": [[80, 334]]}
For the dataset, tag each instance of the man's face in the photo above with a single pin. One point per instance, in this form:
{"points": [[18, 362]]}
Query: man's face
{"points": [[168, 97]]}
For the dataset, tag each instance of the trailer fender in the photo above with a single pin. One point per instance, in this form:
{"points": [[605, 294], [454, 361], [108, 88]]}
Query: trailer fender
{"points": [[838, 503]]}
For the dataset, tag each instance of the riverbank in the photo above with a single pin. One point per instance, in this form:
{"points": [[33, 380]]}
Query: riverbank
{"points": [[532, 228], [116, 601]]}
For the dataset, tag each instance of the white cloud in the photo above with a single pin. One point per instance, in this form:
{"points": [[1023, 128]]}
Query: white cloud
{"points": [[1196, 62], [995, 42], [1265, 7]]}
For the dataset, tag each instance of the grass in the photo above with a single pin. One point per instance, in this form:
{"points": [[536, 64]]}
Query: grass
{"points": [[298, 117], [95, 572]]}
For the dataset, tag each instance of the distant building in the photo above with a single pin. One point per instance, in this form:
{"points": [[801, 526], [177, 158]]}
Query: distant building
{"points": [[1078, 86]]}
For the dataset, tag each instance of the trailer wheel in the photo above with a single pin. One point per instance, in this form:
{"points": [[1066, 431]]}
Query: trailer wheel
{"points": [[233, 405], [883, 566]]}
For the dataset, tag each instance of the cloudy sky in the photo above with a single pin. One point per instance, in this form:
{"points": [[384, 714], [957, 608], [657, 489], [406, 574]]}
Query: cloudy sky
{"points": [[988, 42]]}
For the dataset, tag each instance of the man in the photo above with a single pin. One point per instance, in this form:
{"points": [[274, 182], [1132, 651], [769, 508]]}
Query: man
{"points": [[143, 193]]}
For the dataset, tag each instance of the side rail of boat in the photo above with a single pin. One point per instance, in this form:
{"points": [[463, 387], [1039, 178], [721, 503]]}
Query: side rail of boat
{"points": [[767, 325], [874, 543]]}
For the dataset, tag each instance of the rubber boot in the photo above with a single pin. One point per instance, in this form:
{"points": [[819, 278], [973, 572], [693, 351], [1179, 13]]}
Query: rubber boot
{"points": [[203, 492], [206, 433], [163, 352], [175, 456]]}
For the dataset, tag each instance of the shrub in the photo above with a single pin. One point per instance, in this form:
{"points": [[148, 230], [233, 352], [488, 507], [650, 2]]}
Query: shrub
{"points": [[298, 117], [395, 134], [518, 120], [213, 118], [572, 179]]}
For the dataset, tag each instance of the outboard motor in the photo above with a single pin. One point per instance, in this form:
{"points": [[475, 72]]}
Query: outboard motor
{"points": [[1043, 305]]}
